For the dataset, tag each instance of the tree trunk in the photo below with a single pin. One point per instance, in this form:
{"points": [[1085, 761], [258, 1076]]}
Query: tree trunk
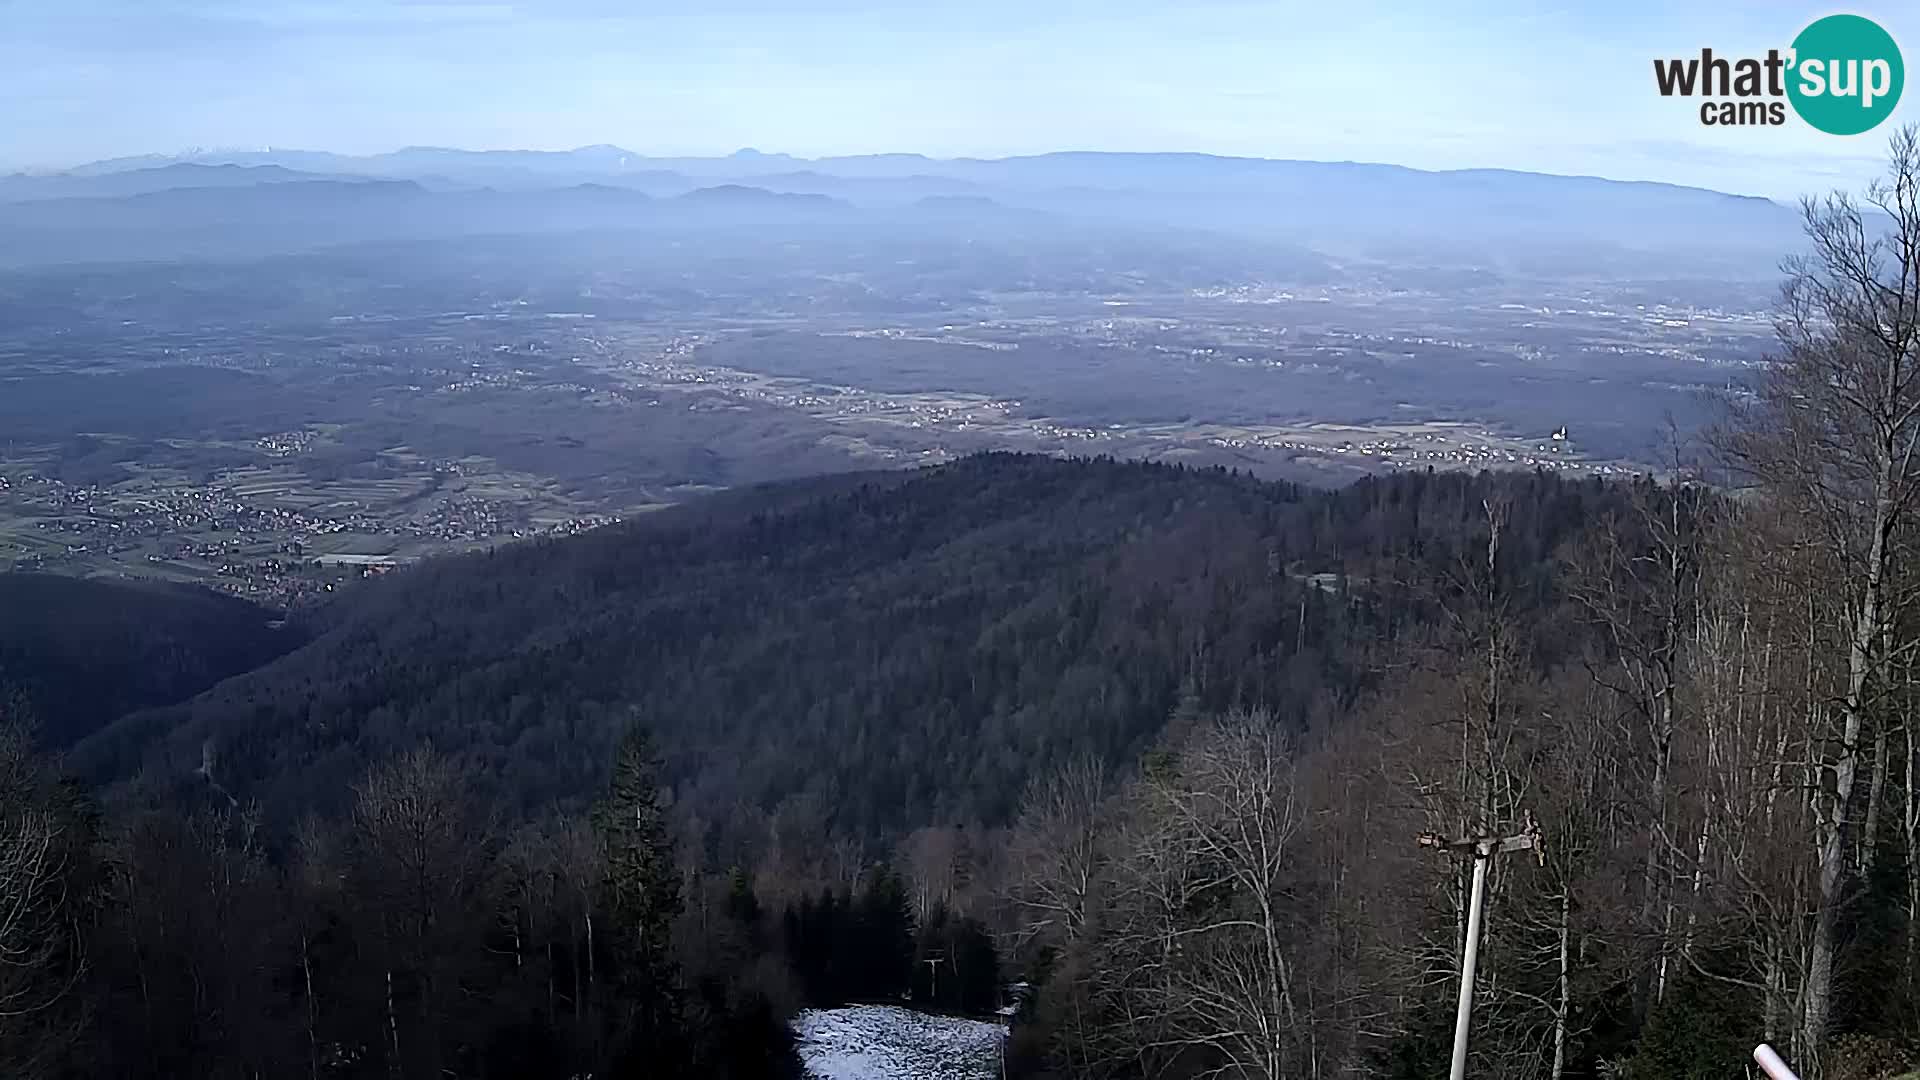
{"points": [[313, 1009], [1775, 994], [393, 1030], [1666, 953], [1833, 807], [1652, 888], [1564, 1006], [1877, 776], [1912, 823], [1876, 791]]}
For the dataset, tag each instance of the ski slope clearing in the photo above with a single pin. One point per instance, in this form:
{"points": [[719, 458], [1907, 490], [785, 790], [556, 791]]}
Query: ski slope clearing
{"points": [[884, 1042]]}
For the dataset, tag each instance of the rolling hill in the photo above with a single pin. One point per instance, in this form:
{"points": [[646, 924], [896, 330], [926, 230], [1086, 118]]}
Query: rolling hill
{"points": [[878, 651], [80, 653]]}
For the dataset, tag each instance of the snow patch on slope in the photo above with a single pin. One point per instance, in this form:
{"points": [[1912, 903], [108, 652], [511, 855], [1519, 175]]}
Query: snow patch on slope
{"points": [[883, 1042]]}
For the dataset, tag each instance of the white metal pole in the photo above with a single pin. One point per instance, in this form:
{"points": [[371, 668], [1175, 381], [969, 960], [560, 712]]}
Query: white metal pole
{"points": [[1771, 1064], [1469, 957]]}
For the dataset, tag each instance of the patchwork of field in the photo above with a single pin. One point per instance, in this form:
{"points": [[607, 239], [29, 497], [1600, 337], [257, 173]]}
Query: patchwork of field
{"points": [[271, 529], [281, 449]]}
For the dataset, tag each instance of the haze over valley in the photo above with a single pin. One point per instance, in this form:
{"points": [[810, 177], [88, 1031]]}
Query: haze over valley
{"points": [[272, 371]]}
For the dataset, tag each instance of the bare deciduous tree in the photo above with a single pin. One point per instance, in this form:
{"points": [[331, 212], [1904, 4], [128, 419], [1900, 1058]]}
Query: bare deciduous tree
{"points": [[39, 935], [1204, 913], [1054, 851], [1835, 434], [418, 858], [1637, 581], [932, 858]]}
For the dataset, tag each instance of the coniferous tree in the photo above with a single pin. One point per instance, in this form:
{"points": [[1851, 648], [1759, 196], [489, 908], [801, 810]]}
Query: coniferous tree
{"points": [[640, 898], [884, 938]]}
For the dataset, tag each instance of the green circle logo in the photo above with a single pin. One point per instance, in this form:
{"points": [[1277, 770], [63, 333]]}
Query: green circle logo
{"points": [[1846, 75]]}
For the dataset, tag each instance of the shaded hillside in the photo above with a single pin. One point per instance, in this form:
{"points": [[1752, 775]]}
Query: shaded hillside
{"points": [[864, 654], [82, 653]]}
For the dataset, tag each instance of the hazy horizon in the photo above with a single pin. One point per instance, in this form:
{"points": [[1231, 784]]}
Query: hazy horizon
{"points": [[187, 155], [1559, 89]]}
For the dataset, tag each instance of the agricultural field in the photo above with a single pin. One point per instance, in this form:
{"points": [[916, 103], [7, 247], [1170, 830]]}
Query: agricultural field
{"points": [[195, 423]]}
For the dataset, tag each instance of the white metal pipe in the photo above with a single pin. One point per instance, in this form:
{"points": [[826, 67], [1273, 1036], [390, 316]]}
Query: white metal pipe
{"points": [[1771, 1064], [1469, 959]]}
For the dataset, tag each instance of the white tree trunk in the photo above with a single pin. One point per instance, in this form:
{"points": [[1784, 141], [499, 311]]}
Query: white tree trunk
{"points": [[313, 1009], [393, 1029], [1564, 1006], [1911, 820], [1834, 805]]}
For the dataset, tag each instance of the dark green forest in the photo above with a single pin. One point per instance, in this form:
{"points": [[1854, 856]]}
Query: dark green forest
{"points": [[850, 684], [83, 653], [904, 652], [867, 722]]}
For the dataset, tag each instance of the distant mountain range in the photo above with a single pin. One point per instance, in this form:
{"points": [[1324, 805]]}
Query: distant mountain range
{"points": [[1474, 217], [1064, 169]]}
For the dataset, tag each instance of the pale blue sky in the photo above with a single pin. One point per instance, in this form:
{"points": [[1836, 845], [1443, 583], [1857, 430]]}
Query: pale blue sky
{"points": [[1554, 87]]}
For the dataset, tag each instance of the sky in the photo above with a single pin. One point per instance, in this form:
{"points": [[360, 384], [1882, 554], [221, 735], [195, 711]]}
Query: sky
{"points": [[1547, 87]]}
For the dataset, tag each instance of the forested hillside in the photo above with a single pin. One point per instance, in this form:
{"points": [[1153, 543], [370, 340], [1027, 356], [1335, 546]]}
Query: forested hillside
{"points": [[1014, 715], [400, 847], [905, 652], [82, 653]]}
